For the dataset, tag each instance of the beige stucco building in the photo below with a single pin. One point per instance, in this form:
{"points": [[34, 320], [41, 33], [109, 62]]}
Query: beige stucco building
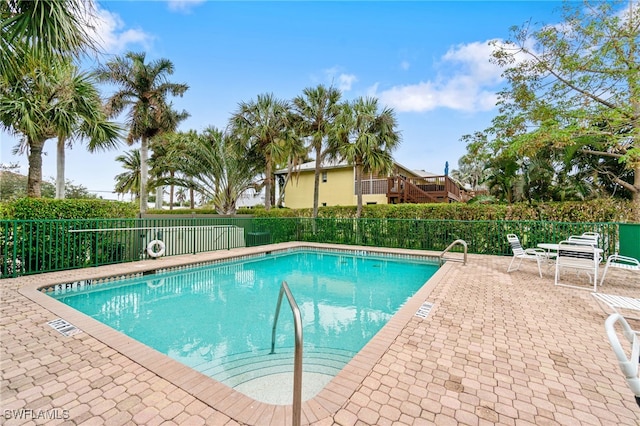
{"points": [[338, 185]]}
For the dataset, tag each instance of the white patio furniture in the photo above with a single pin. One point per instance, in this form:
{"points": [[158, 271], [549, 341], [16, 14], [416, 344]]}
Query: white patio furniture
{"points": [[618, 304], [581, 239], [628, 364], [593, 235], [581, 258], [621, 262], [520, 253]]}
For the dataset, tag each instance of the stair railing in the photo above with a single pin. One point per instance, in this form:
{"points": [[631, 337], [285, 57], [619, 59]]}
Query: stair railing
{"points": [[456, 242], [297, 359]]}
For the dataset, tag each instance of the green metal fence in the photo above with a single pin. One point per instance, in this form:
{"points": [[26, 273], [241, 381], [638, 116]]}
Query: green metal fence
{"points": [[36, 246]]}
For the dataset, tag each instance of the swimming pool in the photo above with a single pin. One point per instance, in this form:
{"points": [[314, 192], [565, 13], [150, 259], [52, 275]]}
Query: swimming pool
{"points": [[217, 319]]}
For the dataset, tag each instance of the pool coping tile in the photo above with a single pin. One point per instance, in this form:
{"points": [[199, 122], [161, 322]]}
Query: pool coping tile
{"points": [[490, 341]]}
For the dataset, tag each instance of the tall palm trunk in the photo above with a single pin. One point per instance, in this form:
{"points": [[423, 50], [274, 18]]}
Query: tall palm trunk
{"points": [[172, 174], [159, 196], [267, 182], [359, 188], [144, 174], [34, 177], [316, 179], [60, 165]]}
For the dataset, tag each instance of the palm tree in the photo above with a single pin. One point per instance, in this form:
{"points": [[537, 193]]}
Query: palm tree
{"points": [[316, 113], [365, 138], [91, 120], [502, 177], [52, 30], [129, 181], [216, 165], [159, 162], [266, 126], [143, 88], [162, 164], [51, 99]]}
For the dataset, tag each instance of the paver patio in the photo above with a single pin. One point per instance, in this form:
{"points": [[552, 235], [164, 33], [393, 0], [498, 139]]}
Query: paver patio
{"points": [[496, 348]]}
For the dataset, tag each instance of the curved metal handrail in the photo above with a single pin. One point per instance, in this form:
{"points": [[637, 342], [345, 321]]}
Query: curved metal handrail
{"points": [[462, 243], [297, 359]]}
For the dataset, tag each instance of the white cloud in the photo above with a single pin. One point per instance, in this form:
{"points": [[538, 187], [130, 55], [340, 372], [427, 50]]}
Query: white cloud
{"points": [[184, 5], [110, 32], [344, 81], [467, 81]]}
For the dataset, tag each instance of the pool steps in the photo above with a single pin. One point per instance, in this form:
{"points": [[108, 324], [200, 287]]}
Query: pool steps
{"points": [[238, 369]]}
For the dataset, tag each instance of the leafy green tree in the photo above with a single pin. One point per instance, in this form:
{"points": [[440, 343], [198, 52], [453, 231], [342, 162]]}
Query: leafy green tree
{"points": [[52, 100], [316, 112], [538, 173], [266, 125], [472, 167], [365, 137], [502, 178], [14, 185], [143, 90], [576, 86]]}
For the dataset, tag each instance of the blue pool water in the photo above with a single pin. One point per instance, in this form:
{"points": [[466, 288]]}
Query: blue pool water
{"points": [[218, 318]]}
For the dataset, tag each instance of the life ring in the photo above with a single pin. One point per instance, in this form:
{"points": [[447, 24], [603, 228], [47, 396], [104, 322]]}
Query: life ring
{"points": [[151, 248], [155, 283]]}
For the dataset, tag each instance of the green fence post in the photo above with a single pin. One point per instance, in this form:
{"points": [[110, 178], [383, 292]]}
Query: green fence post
{"points": [[14, 260]]}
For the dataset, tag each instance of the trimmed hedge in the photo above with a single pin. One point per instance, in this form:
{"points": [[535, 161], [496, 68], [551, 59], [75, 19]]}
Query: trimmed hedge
{"points": [[46, 208], [602, 210]]}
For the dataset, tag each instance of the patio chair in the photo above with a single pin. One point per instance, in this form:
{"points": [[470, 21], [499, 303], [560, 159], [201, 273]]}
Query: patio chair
{"points": [[618, 304], [520, 253], [593, 235], [586, 240], [621, 262], [577, 257], [581, 239], [628, 365]]}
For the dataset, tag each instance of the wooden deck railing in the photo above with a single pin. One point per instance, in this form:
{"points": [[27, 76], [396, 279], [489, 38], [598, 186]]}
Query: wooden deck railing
{"points": [[432, 189]]}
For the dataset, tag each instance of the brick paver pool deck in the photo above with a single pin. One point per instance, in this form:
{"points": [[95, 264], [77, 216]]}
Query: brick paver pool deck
{"points": [[496, 348]]}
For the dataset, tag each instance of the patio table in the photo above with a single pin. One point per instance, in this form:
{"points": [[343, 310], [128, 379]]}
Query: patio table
{"points": [[554, 247]]}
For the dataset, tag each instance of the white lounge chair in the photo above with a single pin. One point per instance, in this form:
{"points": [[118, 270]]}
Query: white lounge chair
{"points": [[580, 258], [520, 253], [618, 304], [628, 364], [622, 262]]}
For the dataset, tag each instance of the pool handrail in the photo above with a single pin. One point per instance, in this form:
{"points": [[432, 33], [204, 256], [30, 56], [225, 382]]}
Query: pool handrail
{"points": [[297, 360], [463, 243]]}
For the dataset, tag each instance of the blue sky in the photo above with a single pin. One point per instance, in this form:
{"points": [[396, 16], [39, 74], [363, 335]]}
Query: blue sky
{"points": [[427, 60]]}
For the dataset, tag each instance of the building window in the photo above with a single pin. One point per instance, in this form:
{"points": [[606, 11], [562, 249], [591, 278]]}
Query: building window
{"points": [[324, 176], [324, 204], [372, 202]]}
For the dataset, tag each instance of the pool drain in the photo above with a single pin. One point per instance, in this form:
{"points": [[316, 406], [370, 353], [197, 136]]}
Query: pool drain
{"points": [[63, 327]]}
